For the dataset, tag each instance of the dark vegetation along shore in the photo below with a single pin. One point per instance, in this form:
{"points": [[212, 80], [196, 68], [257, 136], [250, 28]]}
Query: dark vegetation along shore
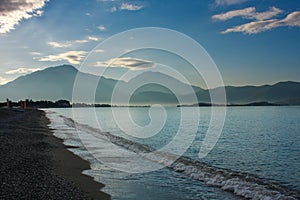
{"points": [[36, 165], [66, 104]]}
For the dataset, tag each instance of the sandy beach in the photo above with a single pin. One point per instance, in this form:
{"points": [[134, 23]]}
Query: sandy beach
{"points": [[36, 165]]}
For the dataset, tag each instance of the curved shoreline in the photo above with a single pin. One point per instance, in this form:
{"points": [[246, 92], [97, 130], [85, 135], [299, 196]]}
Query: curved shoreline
{"points": [[36, 165]]}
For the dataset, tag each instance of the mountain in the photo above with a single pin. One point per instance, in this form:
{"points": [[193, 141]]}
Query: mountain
{"points": [[56, 83], [283, 92], [52, 83]]}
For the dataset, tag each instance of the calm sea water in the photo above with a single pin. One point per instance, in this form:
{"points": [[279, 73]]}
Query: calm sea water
{"points": [[261, 143]]}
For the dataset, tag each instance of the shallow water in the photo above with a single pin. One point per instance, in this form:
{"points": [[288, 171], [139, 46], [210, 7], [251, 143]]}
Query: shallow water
{"points": [[261, 141]]}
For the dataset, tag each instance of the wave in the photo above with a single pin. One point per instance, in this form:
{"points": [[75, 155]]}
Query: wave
{"points": [[242, 184]]}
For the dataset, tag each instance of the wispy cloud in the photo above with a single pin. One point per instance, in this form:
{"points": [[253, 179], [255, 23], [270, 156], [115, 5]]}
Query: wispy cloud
{"points": [[59, 45], [91, 38], [35, 53], [128, 6], [12, 12], [3, 81], [291, 20], [22, 70], [73, 57], [228, 2], [70, 43], [248, 13], [127, 62], [101, 28], [262, 21], [99, 51]]}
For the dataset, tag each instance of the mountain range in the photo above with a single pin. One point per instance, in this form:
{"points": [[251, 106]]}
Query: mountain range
{"points": [[55, 83]]}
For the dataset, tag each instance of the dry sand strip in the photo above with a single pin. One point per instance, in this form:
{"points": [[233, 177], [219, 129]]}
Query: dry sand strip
{"points": [[36, 165]]}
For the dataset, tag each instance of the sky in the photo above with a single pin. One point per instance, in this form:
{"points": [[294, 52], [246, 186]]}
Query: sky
{"points": [[252, 42]]}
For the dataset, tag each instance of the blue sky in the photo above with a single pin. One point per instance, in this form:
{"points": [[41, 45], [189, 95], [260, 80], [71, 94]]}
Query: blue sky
{"points": [[253, 42]]}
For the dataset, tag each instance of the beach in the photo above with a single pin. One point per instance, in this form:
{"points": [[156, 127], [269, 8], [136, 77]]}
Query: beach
{"points": [[36, 165]]}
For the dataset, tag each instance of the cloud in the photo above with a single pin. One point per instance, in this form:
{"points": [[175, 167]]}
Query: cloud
{"points": [[272, 12], [228, 2], [73, 57], [92, 38], [59, 45], [248, 13], [99, 51], [80, 41], [13, 11], [70, 43], [234, 13], [127, 6], [35, 53], [3, 81], [291, 20], [22, 70], [101, 28], [263, 21], [127, 62]]}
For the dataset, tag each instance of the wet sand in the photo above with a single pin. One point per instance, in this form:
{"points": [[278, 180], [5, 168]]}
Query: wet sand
{"points": [[36, 165]]}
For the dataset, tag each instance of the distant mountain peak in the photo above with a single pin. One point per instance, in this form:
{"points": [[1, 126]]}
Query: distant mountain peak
{"points": [[62, 67]]}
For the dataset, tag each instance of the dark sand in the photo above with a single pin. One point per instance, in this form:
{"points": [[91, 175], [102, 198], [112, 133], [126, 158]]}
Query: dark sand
{"points": [[36, 165]]}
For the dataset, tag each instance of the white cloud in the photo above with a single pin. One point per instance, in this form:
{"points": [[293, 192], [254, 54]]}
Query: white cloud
{"points": [[127, 62], [13, 11], [79, 41], [291, 20], [59, 45], [39, 13], [248, 13], [272, 12], [101, 28], [73, 57], [228, 2], [263, 21], [92, 38], [70, 43], [127, 6], [3, 81], [22, 70], [99, 51], [234, 13], [35, 53]]}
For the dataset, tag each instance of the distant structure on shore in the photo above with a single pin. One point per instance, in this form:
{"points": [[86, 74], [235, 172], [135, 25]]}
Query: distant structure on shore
{"points": [[8, 103]]}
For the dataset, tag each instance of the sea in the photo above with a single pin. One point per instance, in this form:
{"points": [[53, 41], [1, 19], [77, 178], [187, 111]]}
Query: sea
{"points": [[257, 155]]}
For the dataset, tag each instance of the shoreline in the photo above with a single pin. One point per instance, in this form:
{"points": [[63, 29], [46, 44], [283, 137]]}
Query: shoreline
{"points": [[36, 164], [72, 170]]}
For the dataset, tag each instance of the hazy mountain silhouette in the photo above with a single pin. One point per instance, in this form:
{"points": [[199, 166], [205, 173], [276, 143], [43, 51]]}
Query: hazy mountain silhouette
{"points": [[283, 92], [57, 83]]}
